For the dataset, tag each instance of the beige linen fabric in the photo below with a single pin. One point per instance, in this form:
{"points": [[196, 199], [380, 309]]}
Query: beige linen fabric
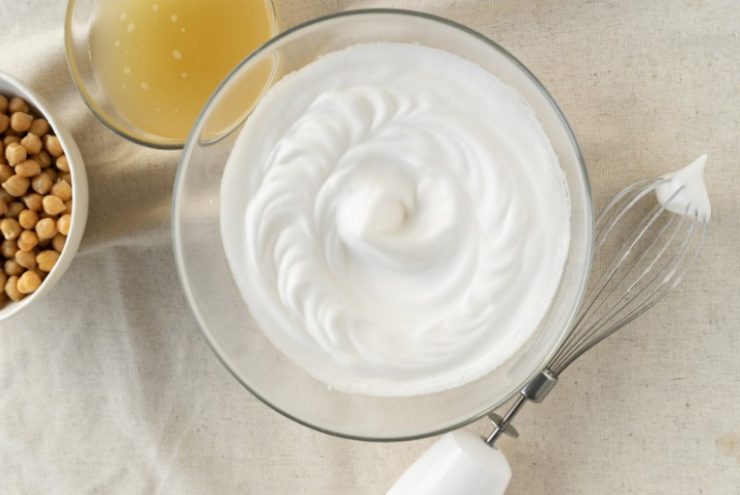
{"points": [[107, 386]]}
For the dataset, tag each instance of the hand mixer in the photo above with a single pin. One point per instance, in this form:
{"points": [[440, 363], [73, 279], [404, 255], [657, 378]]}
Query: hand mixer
{"points": [[643, 249]]}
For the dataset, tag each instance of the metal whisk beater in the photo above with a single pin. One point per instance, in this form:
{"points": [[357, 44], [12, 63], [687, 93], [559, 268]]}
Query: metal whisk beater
{"points": [[642, 251]]}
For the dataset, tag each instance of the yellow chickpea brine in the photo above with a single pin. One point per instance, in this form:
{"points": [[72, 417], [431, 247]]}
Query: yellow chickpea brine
{"points": [[158, 61], [35, 199]]}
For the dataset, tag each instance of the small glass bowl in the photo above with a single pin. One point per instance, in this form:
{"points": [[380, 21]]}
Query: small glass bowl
{"points": [[77, 24], [225, 318]]}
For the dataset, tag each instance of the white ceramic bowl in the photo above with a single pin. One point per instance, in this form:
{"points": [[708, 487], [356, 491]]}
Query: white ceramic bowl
{"points": [[10, 86]]}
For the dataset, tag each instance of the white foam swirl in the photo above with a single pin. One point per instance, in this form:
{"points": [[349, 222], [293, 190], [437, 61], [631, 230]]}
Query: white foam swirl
{"points": [[406, 219]]}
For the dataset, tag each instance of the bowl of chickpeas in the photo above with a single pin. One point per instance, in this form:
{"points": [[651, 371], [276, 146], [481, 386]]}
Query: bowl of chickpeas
{"points": [[43, 197]]}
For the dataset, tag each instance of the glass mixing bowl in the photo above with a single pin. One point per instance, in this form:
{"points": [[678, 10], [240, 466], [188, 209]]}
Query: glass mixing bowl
{"points": [[224, 316]]}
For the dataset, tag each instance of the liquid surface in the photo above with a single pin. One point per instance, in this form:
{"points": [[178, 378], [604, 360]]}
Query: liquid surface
{"points": [[395, 218], [158, 61], [684, 192]]}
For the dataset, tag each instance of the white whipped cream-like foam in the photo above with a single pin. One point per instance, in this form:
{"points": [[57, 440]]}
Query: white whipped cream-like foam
{"points": [[395, 218], [684, 191]]}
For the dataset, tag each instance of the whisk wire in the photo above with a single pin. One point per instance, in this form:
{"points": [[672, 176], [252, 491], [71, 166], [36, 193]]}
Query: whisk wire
{"points": [[582, 332]]}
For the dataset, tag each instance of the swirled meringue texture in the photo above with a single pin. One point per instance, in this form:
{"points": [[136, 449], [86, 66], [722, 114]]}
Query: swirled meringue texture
{"points": [[395, 218]]}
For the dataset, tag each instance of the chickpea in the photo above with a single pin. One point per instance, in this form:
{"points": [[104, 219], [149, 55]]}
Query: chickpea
{"points": [[40, 127], [3, 207], [11, 289], [3, 281], [34, 201], [63, 163], [53, 174], [16, 185], [64, 223], [43, 157], [62, 190], [53, 205], [46, 260], [28, 168], [42, 183], [66, 176], [53, 146], [46, 229], [18, 104], [8, 248], [26, 259], [57, 242], [7, 140], [6, 171], [10, 228], [4, 122], [14, 209], [5, 196], [68, 207], [11, 267], [20, 121], [27, 240], [28, 218], [3, 106], [29, 282], [15, 153], [32, 143]]}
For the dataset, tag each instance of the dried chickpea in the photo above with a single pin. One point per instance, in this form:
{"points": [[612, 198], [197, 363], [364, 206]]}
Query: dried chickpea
{"points": [[3, 105], [6, 172], [28, 218], [68, 207], [46, 229], [15, 153], [28, 168], [32, 143], [16, 185], [26, 259], [11, 289], [53, 205], [27, 240], [66, 176], [14, 209], [4, 122], [62, 190], [11, 267], [3, 207], [63, 163], [3, 281], [10, 228], [40, 127], [29, 282], [42, 183], [58, 242], [18, 104], [20, 121], [64, 223], [34, 201], [43, 157], [8, 248], [46, 260], [53, 146], [8, 140]]}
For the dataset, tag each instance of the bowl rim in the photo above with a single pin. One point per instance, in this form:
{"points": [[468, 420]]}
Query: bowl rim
{"points": [[193, 139], [157, 142], [80, 196]]}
